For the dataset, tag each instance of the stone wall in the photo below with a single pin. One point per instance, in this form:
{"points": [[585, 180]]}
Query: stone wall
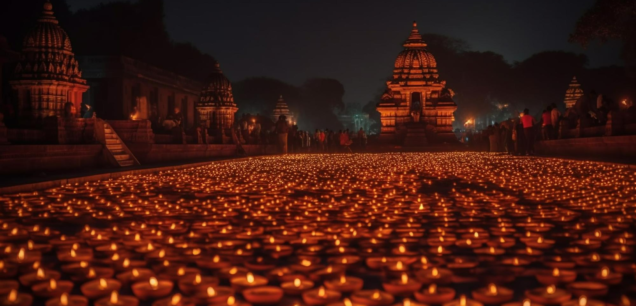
{"points": [[15, 159], [602, 147], [155, 153]]}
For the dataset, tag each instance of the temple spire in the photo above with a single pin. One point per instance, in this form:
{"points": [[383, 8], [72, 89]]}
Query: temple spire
{"points": [[415, 38]]}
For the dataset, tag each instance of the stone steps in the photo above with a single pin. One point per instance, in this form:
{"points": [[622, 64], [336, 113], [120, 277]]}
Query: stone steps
{"points": [[117, 147]]}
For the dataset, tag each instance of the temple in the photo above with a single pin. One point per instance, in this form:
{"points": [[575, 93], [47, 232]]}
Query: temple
{"points": [[47, 78], [216, 107], [281, 109], [573, 93], [416, 108]]}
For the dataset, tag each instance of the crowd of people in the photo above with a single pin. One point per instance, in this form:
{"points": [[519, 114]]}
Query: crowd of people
{"points": [[517, 135], [292, 140]]}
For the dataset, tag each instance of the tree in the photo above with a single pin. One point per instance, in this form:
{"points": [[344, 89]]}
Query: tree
{"points": [[606, 20], [321, 99]]}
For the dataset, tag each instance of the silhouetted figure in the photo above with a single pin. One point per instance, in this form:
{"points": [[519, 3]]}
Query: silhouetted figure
{"points": [[282, 129], [528, 131]]}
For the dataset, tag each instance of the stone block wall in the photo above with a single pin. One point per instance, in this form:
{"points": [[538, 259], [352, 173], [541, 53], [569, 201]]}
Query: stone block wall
{"points": [[20, 159]]}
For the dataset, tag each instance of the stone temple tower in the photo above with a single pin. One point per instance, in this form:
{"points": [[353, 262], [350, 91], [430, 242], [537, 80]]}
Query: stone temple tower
{"points": [[416, 103], [216, 107], [47, 79]]}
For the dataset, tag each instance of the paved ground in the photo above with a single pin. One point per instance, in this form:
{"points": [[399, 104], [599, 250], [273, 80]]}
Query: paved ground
{"points": [[457, 220]]}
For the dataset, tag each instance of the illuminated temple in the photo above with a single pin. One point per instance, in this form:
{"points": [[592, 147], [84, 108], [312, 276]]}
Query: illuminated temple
{"points": [[281, 109], [416, 108], [47, 79], [216, 107], [573, 93]]}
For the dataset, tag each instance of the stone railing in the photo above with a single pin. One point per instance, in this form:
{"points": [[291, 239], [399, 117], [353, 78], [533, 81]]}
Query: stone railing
{"points": [[617, 124]]}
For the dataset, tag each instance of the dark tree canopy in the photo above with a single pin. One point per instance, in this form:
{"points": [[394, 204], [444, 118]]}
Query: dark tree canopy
{"points": [[609, 19]]}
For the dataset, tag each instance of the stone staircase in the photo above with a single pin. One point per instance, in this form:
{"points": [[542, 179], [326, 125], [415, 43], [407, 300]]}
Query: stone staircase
{"points": [[119, 155], [415, 135]]}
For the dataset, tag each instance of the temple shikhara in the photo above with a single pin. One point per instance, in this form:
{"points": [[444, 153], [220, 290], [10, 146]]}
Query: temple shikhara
{"points": [[573, 93], [216, 107], [281, 109], [416, 107], [47, 79]]}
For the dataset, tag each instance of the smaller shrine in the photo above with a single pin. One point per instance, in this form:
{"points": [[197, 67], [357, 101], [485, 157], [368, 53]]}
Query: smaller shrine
{"points": [[281, 108], [216, 107], [573, 93]]}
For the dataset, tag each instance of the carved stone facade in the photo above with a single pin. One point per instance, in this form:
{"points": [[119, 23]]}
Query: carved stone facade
{"points": [[573, 93], [47, 79], [120, 84], [216, 107], [416, 96], [281, 108]]}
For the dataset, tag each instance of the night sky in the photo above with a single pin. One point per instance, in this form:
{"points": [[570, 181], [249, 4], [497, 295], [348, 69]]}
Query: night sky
{"points": [[356, 42]]}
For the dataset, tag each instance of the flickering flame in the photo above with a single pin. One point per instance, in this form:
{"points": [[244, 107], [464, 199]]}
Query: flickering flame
{"points": [[216, 258], [83, 264], [135, 272], [376, 295], [405, 278], [233, 270], [556, 272], [176, 299], [52, 284], [440, 249], [406, 302], [492, 289], [399, 265], [305, 263], [582, 300], [434, 272], [154, 284], [432, 289], [21, 254], [211, 292], [321, 292], [347, 302], [526, 302], [181, 271], [625, 301], [40, 273], [113, 247], [126, 263], [13, 296], [462, 300], [343, 279], [231, 300], [551, 289], [604, 272], [197, 279], [102, 284], [64, 299], [250, 277]]}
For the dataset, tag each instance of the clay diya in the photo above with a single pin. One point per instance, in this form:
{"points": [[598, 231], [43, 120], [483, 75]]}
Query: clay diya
{"points": [[175, 300], [404, 286], [590, 289], [250, 280], [68, 300], [525, 302], [435, 295], [17, 299], [263, 295], [605, 276], [117, 300], [100, 288], [556, 276], [548, 295], [7, 285], [493, 294], [463, 301], [583, 301], [434, 276], [297, 286], [212, 295], [344, 284], [135, 275], [192, 283], [372, 298], [152, 288], [320, 296], [52, 288]]}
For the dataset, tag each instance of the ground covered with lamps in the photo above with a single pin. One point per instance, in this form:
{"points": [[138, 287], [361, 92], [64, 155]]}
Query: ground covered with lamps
{"points": [[449, 229]]}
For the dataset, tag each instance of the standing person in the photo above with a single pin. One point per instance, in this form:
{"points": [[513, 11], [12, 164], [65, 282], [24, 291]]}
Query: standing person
{"points": [[528, 131], [362, 137], [323, 139], [555, 116], [546, 125], [282, 128]]}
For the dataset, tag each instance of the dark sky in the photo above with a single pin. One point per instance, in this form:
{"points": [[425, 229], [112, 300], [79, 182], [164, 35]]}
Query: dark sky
{"points": [[356, 41]]}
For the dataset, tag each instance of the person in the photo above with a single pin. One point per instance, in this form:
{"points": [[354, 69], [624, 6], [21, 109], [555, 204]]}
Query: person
{"points": [[282, 128], [555, 118], [345, 143], [528, 131], [362, 137], [546, 126]]}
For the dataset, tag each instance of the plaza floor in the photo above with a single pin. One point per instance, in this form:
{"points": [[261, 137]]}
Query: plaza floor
{"points": [[351, 229]]}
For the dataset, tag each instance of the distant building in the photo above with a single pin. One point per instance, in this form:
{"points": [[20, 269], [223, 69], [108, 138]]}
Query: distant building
{"points": [[416, 99], [281, 109], [119, 84], [356, 121], [216, 107], [573, 93], [47, 80]]}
